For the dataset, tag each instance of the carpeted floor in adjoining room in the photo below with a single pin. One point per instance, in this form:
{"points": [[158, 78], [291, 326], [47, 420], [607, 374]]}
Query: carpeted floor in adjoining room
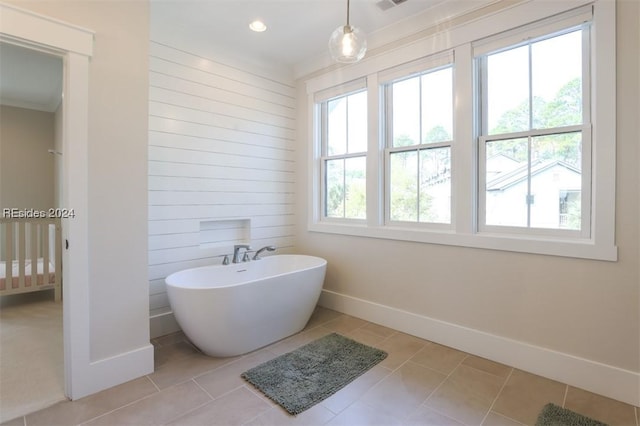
{"points": [[31, 353]]}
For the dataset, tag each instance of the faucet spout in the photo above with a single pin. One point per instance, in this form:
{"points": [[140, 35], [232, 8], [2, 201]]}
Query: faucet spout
{"points": [[236, 251], [267, 248]]}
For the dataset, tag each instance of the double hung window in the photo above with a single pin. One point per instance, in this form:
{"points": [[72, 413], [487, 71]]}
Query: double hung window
{"points": [[535, 136], [344, 155], [419, 133], [490, 138]]}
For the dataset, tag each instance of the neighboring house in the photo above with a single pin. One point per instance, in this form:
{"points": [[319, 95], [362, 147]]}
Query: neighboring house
{"points": [[554, 200], [507, 194], [500, 163]]}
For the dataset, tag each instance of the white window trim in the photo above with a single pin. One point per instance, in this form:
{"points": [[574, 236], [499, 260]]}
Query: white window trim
{"points": [[321, 116], [558, 25], [464, 232], [415, 69]]}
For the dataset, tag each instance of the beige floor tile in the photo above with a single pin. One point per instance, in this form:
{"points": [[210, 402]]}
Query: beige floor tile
{"points": [[425, 416], [466, 395], [483, 384], [344, 324], [78, 411], [400, 348], [291, 343], [453, 401], [612, 412], [487, 366], [172, 352], [525, 394], [234, 408], [227, 377], [158, 408], [169, 339], [403, 391], [320, 316], [186, 368], [361, 414], [276, 416], [410, 387], [354, 390], [495, 419], [438, 357], [378, 329], [365, 337]]}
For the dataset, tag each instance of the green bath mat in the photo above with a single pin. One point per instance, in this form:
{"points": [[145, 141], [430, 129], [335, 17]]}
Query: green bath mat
{"points": [[552, 415], [300, 379]]}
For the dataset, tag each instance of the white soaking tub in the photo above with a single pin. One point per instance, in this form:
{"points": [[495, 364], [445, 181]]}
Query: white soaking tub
{"points": [[228, 310]]}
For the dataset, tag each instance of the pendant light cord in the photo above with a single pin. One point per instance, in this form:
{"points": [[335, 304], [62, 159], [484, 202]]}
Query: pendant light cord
{"points": [[347, 12]]}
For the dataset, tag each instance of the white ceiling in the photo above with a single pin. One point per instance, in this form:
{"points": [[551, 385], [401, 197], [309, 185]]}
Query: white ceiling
{"points": [[29, 79], [297, 29]]}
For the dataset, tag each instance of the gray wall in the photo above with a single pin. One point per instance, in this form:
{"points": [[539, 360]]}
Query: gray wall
{"points": [[27, 169]]}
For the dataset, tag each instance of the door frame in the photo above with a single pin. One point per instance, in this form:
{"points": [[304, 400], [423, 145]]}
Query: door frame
{"points": [[75, 45]]}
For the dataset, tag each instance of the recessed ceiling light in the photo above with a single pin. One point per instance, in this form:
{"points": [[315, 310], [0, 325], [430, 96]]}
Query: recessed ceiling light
{"points": [[257, 26]]}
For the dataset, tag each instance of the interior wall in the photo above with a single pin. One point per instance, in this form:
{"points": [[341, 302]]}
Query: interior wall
{"points": [[221, 162], [117, 169], [26, 166], [584, 308]]}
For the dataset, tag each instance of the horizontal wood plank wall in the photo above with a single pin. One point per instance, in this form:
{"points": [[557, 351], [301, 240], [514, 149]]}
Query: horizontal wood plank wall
{"points": [[221, 146]]}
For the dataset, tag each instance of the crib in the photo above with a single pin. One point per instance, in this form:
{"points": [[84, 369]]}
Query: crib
{"points": [[30, 256]]}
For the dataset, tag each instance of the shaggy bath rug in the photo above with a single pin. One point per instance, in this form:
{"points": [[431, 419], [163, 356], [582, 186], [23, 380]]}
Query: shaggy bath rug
{"points": [[300, 379], [552, 415]]}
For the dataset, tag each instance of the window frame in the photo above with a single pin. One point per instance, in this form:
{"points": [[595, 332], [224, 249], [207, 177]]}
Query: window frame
{"points": [[322, 117], [416, 70], [461, 40], [543, 32]]}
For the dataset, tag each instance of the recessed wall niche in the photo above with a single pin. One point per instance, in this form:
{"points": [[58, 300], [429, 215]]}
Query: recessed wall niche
{"points": [[224, 232]]}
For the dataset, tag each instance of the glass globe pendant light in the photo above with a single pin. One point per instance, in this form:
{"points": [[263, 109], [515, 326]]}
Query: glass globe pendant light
{"points": [[347, 43]]}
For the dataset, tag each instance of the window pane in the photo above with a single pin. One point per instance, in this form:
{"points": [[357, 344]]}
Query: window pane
{"points": [[557, 81], [437, 106], [335, 188], [508, 91], [406, 112], [356, 188], [404, 186], [337, 126], [507, 177], [556, 181], [357, 123], [345, 178], [435, 185]]}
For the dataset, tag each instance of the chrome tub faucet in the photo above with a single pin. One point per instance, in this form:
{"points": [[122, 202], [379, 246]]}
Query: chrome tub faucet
{"points": [[266, 248], [236, 252]]}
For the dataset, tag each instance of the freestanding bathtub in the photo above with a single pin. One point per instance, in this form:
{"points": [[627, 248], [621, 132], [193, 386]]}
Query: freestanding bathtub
{"points": [[228, 310]]}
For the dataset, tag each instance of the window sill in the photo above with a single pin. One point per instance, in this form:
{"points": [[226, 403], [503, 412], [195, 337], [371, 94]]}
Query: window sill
{"points": [[574, 248]]}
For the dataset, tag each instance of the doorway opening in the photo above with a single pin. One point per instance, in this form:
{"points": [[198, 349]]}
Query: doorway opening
{"points": [[31, 147]]}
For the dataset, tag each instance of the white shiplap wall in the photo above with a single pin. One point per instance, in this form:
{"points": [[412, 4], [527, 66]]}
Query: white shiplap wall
{"points": [[221, 148]]}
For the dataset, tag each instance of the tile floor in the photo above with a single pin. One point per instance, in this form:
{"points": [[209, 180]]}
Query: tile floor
{"points": [[419, 383]]}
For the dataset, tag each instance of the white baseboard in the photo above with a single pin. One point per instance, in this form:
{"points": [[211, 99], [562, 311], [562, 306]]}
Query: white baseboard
{"points": [[112, 371], [613, 382], [163, 324]]}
